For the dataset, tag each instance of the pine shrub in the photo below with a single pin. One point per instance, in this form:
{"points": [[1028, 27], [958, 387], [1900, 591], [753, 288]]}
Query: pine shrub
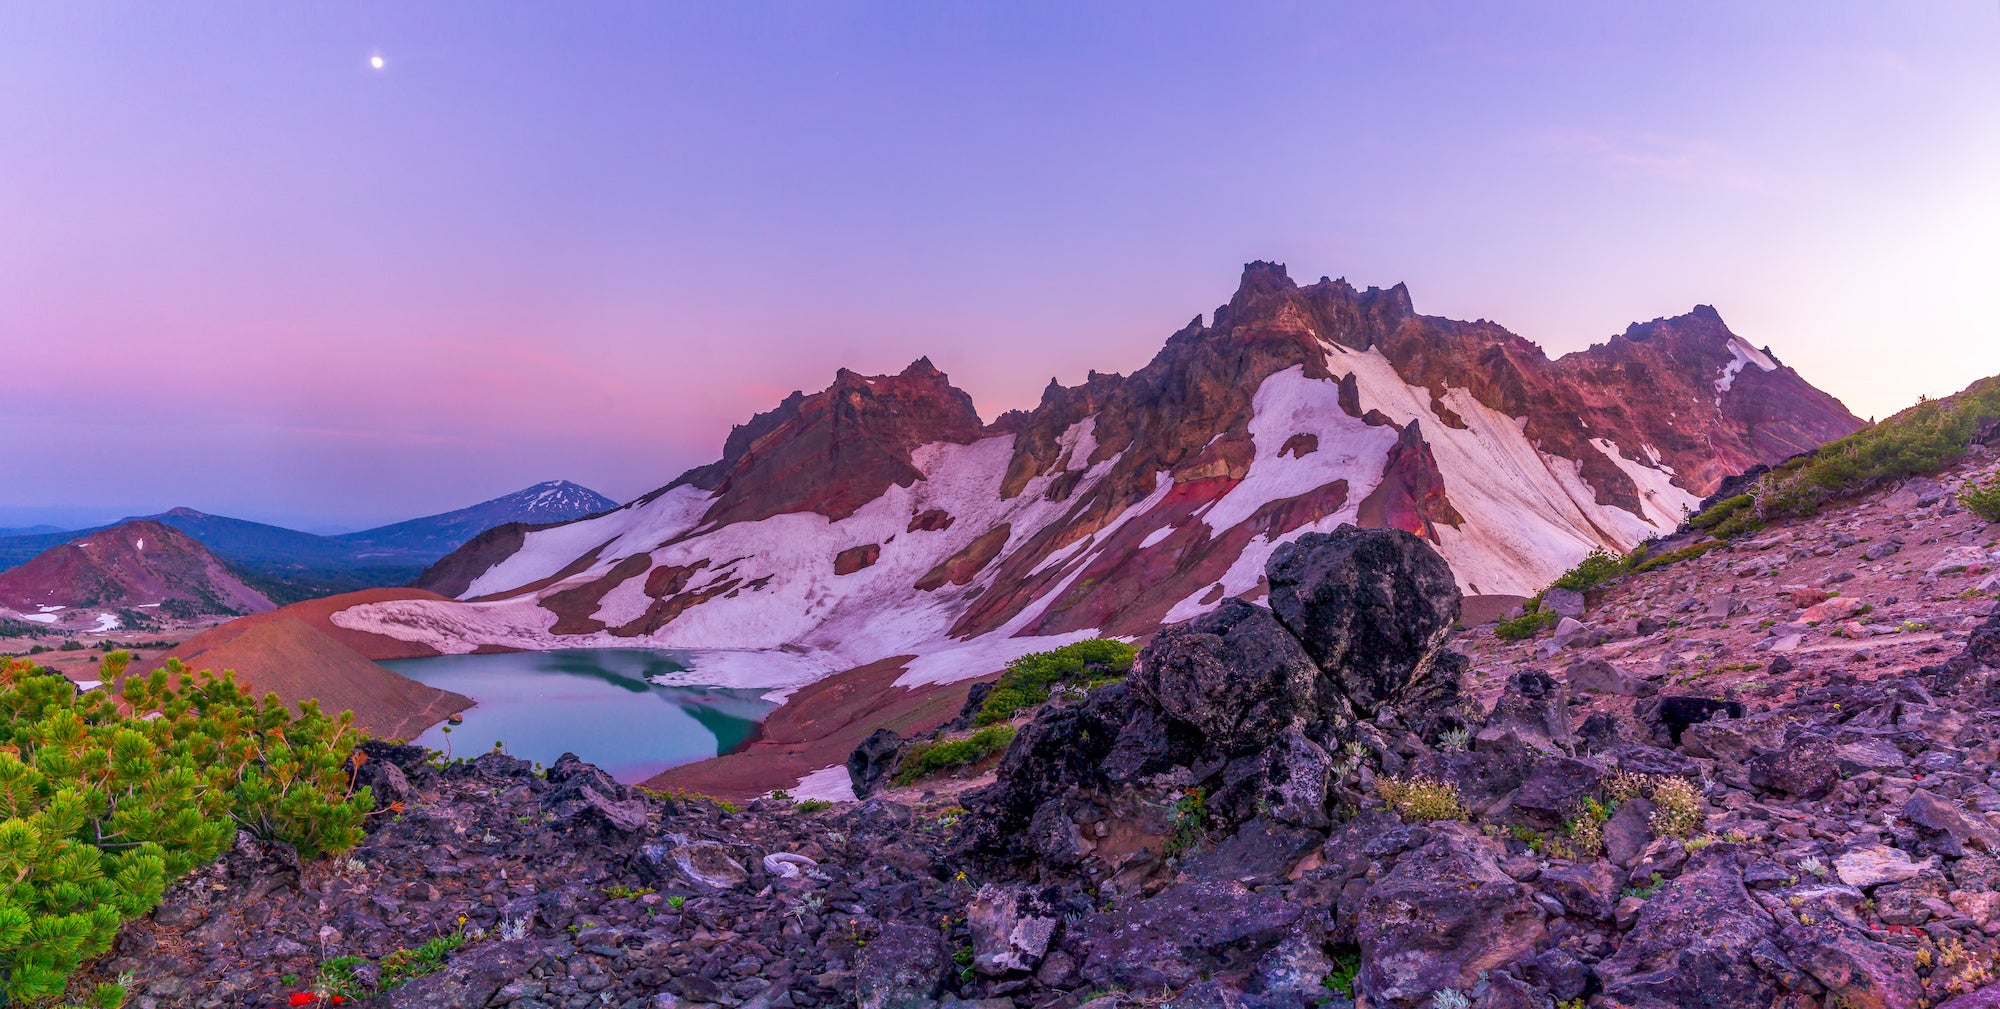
{"points": [[1029, 679], [1982, 500], [1527, 625], [1921, 440], [105, 800]]}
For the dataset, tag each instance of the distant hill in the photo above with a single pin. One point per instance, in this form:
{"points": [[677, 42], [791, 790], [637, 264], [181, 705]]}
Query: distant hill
{"points": [[42, 530], [139, 564], [438, 535], [287, 565]]}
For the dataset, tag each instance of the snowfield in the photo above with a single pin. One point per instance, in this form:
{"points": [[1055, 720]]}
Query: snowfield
{"points": [[778, 617]]}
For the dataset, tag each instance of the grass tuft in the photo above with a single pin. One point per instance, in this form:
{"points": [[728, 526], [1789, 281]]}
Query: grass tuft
{"points": [[926, 759]]}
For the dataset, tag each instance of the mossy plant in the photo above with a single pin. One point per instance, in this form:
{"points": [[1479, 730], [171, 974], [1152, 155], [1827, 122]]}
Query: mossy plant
{"points": [[1527, 625]]}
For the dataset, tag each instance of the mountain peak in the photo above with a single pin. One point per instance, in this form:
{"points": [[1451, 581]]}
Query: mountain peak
{"points": [[137, 563], [545, 503], [1261, 280]]}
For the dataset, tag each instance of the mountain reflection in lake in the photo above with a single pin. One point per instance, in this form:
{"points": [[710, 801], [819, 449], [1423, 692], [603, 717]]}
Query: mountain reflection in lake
{"points": [[596, 703]]}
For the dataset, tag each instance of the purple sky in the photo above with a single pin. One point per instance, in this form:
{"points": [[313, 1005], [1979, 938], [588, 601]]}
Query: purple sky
{"points": [[241, 270]]}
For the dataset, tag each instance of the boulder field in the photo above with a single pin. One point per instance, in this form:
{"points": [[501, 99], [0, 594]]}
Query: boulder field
{"points": [[1312, 803]]}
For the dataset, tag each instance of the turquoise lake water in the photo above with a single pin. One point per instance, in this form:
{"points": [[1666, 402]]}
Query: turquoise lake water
{"points": [[596, 703]]}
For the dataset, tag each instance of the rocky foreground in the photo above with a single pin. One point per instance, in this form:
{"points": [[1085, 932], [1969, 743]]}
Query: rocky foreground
{"points": [[1315, 803]]}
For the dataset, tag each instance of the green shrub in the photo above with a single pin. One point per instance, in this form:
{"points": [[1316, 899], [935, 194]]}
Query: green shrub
{"points": [[1422, 799], [1686, 553], [1921, 440], [104, 806], [1982, 500], [1527, 625], [1187, 822], [1732, 516], [1029, 679], [409, 964], [1721, 511], [1678, 809], [1596, 568], [926, 759]]}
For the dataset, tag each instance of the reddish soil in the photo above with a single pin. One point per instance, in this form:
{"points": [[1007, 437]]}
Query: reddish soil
{"points": [[299, 654]]}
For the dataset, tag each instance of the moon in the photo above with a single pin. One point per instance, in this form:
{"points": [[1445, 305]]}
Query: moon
{"points": [[375, 61]]}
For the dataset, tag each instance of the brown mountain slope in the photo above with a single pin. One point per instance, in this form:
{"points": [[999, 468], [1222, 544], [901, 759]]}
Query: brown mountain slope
{"points": [[140, 563], [298, 654]]}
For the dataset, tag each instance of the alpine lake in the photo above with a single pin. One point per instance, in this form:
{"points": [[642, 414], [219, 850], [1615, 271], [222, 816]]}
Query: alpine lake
{"points": [[601, 704]]}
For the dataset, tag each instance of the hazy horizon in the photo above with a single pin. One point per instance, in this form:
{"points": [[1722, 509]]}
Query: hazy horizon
{"points": [[250, 273]]}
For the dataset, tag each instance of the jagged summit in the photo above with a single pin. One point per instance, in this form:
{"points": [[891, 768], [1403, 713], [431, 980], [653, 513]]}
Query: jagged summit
{"points": [[878, 517]]}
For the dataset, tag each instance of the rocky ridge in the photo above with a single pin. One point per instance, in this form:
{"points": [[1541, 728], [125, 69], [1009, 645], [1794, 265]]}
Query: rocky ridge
{"points": [[1786, 803], [879, 518]]}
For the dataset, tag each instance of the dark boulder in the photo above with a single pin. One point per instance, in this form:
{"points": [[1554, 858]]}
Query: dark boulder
{"points": [[1946, 828], [1235, 676], [1807, 767], [471, 977], [1107, 741], [1259, 852], [1443, 916], [406, 756], [1287, 782], [385, 781], [1555, 791], [874, 761], [903, 968], [1601, 677], [975, 700], [1175, 938], [1533, 712], [1692, 946], [1373, 607], [1675, 713]]}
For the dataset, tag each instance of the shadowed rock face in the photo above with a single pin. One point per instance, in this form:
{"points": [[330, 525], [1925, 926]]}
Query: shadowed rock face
{"points": [[1372, 607], [837, 449], [1241, 703], [1235, 676], [1411, 496]]}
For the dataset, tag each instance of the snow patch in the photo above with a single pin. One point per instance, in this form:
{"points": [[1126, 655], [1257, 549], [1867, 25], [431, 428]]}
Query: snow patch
{"points": [[981, 656], [828, 784], [547, 551], [1286, 404], [40, 618], [1665, 504], [107, 622], [1741, 353]]}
